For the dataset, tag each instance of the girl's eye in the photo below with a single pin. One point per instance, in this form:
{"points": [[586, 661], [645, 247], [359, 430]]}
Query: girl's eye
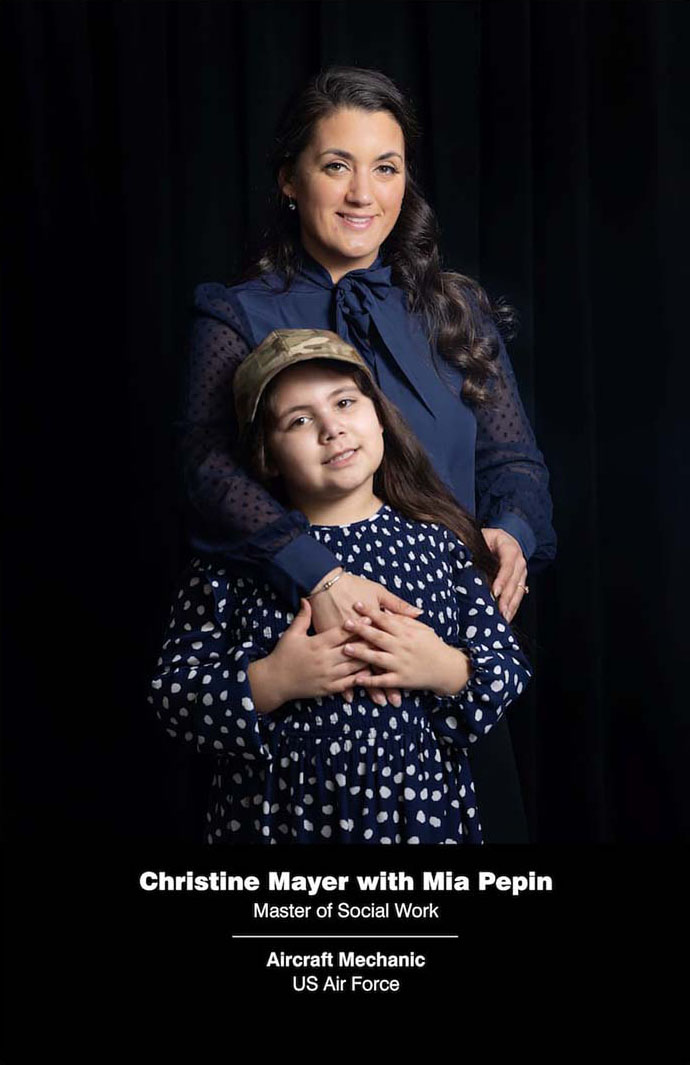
{"points": [[332, 164], [388, 168], [298, 421], [346, 401]]}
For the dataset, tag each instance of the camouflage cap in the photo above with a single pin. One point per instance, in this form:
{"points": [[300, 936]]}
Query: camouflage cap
{"points": [[282, 348]]}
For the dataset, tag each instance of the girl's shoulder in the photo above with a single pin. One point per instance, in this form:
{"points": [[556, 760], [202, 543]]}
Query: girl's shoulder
{"points": [[392, 529], [421, 530]]}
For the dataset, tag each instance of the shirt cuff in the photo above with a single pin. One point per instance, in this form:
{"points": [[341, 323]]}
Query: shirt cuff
{"points": [[300, 565], [517, 527]]}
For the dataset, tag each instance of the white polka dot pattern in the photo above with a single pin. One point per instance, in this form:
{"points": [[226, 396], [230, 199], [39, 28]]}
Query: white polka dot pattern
{"points": [[323, 770]]}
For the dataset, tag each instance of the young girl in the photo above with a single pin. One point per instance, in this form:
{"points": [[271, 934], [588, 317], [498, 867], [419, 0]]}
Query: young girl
{"points": [[302, 753]]}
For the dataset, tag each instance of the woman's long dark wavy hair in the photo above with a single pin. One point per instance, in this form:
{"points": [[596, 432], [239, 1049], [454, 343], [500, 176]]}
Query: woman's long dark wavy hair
{"points": [[455, 309], [405, 480]]}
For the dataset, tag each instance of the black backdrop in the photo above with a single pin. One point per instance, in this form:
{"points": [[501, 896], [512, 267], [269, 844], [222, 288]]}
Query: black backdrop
{"points": [[556, 156]]}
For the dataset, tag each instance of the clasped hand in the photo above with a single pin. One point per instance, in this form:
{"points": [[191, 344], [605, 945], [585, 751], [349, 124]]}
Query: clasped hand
{"points": [[334, 606], [408, 653], [302, 666]]}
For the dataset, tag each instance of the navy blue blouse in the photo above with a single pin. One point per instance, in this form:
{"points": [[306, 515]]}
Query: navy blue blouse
{"points": [[488, 457]]}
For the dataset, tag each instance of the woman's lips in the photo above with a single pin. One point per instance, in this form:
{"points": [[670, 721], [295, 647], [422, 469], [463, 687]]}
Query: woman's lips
{"points": [[354, 222], [342, 458]]}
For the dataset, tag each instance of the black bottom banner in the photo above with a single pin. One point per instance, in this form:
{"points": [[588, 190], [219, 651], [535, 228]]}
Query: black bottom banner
{"points": [[143, 948]]}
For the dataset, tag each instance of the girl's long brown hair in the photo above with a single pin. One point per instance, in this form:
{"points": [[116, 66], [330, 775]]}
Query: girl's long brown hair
{"points": [[405, 480]]}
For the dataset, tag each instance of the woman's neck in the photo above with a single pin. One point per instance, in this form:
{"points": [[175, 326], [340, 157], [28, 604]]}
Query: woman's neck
{"points": [[337, 267]]}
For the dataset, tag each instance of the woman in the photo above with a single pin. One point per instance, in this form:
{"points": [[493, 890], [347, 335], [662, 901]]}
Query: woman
{"points": [[352, 247], [240, 679]]}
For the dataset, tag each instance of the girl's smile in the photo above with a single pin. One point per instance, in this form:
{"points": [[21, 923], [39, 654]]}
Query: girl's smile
{"points": [[341, 458]]}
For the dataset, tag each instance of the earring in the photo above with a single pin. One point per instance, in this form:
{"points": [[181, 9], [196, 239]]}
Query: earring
{"points": [[291, 204]]}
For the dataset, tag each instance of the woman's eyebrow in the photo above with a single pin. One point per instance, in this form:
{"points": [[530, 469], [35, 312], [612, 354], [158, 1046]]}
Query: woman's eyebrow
{"points": [[307, 406], [349, 155]]}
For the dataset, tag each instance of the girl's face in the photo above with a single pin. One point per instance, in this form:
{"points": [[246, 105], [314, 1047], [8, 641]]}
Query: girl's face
{"points": [[349, 185], [326, 441]]}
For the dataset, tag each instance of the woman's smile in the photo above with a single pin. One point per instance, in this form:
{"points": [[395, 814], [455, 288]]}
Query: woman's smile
{"points": [[355, 221]]}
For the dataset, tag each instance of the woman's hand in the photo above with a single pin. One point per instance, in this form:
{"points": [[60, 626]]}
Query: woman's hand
{"points": [[302, 666], [407, 653], [334, 606], [511, 580]]}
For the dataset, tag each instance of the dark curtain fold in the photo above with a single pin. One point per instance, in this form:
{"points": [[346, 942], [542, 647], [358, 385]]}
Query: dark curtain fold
{"points": [[555, 153]]}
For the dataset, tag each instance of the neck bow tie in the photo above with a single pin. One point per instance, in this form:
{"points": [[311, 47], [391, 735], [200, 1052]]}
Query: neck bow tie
{"points": [[362, 297]]}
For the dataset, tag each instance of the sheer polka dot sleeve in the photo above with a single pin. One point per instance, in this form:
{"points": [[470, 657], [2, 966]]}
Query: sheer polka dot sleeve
{"points": [[512, 481], [217, 484], [201, 691], [499, 669], [232, 515]]}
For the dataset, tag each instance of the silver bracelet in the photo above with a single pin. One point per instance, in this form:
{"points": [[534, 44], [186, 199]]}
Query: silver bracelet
{"points": [[328, 584]]}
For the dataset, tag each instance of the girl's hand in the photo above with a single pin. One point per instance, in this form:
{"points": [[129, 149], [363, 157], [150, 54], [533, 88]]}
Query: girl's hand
{"points": [[511, 580], [407, 653], [302, 666], [334, 606]]}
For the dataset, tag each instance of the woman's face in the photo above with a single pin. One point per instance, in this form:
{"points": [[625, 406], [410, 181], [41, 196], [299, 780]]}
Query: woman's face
{"points": [[325, 441], [349, 185]]}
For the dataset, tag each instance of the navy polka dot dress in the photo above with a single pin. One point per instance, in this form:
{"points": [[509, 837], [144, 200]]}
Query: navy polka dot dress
{"points": [[323, 770]]}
